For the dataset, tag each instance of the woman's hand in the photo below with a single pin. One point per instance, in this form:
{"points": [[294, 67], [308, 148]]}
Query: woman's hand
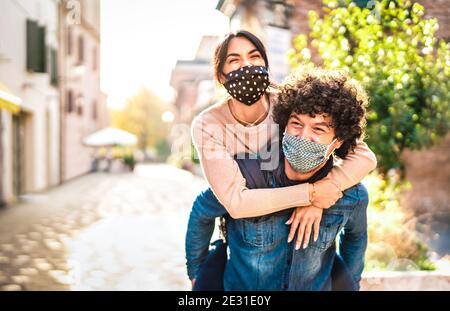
{"points": [[326, 193], [193, 283], [308, 217]]}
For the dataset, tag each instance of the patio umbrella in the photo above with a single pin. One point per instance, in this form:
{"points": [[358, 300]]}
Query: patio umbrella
{"points": [[110, 137]]}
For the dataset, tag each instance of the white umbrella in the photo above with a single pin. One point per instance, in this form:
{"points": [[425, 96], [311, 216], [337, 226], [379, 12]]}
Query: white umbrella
{"points": [[110, 137]]}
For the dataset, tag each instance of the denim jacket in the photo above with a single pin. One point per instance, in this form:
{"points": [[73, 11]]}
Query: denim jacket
{"points": [[260, 257]]}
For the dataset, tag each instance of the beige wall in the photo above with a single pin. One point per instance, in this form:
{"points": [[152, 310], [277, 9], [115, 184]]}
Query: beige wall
{"points": [[84, 81]]}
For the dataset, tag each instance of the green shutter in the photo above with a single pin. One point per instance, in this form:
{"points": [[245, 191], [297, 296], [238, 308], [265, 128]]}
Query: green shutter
{"points": [[53, 67], [32, 38], [42, 51], [36, 49]]}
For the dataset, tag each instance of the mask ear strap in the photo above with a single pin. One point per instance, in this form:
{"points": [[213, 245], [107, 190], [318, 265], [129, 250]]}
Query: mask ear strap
{"points": [[328, 150]]}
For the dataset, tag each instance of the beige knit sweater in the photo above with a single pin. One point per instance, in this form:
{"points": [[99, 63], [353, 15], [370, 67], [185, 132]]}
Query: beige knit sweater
{"points": [[217, 136]]}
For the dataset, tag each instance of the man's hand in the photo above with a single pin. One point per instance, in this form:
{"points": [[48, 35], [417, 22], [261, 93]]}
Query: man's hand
{"points": [[193, 283], [308, 217], [326, 193]]}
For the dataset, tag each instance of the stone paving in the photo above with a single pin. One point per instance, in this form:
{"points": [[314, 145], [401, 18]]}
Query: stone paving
{"points": [[102, 231]]}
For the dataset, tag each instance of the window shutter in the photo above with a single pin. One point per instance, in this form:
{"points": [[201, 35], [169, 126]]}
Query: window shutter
{"points": [[53, 67], [42, 67], [80, 50], [32, 43], [36, 49]]}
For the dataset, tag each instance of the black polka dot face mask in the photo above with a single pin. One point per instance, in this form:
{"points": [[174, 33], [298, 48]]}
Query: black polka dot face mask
{"points": [[247, 84]]}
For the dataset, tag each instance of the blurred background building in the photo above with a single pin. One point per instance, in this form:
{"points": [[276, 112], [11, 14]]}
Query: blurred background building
{"points": [[28, 70], [83, 106], [193, 82], [49, 92]]}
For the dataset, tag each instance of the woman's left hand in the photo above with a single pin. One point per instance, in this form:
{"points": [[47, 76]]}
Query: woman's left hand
{"points": [[308, 217]]}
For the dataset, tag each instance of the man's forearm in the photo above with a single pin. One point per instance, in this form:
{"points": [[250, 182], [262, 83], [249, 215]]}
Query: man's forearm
{"points": [[205, 210]]}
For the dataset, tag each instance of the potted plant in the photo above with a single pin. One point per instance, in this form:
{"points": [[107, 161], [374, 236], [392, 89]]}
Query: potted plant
{"points": [[129, 161]]}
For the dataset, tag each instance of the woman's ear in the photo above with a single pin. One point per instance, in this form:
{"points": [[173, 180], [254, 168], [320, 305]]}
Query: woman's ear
{"points": [[222, 78]]}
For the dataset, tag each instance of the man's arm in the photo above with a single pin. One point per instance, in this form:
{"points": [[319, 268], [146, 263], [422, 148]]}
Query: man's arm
{"points": [[205, 210], [353, 239]]}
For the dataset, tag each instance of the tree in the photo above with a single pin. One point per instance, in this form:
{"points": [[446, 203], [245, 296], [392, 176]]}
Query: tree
{"points": [[395, 53], [142, 117]]}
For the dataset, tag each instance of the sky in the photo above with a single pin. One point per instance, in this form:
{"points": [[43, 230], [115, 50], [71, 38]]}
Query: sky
{"points": [[141, 41]]}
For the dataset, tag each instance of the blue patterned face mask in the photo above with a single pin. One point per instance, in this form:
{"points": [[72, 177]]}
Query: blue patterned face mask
{"points": [[304, 155]]}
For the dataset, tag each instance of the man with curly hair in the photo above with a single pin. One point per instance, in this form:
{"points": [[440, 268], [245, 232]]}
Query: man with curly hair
{"points": [[323, 113], [320, 113]]}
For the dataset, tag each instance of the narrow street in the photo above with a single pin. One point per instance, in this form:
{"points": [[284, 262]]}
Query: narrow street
{"points": [[102, 231]]}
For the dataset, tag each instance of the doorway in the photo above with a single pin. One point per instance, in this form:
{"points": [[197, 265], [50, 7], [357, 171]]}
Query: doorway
{"points": [[18, 144]]}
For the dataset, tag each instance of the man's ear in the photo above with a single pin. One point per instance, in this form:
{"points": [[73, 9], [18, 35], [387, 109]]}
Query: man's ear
{"points": [[337, 144], [334, 145]]}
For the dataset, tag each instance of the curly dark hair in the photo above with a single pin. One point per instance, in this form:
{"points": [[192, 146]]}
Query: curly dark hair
{"points": [[314, 91]]}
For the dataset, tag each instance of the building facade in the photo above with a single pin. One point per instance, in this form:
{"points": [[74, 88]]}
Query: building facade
{"points": [[49, 98], [193, 82], [29, 135], [270, 21], [82, 104]]}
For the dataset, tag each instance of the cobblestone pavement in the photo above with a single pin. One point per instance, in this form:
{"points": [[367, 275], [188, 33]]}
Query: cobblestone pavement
{"points": [[102, 231]]}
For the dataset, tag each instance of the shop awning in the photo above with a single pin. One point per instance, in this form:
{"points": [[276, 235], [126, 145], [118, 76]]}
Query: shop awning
{"points": [[9, 101], [110, 137]]}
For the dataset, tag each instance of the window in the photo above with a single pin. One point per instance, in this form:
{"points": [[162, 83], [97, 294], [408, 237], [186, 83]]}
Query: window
{"points": [[80, 100], [70, 105], [80, 49], [69, 41], [36, 49], [53, 67], [94, 110], [94, 59]]}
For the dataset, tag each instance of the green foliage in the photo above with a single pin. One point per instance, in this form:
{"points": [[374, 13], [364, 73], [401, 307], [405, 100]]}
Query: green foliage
{"points": [[163, 149], [129, 160], [394, 243], [194, 155], [399, 60], [142, 117]]}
